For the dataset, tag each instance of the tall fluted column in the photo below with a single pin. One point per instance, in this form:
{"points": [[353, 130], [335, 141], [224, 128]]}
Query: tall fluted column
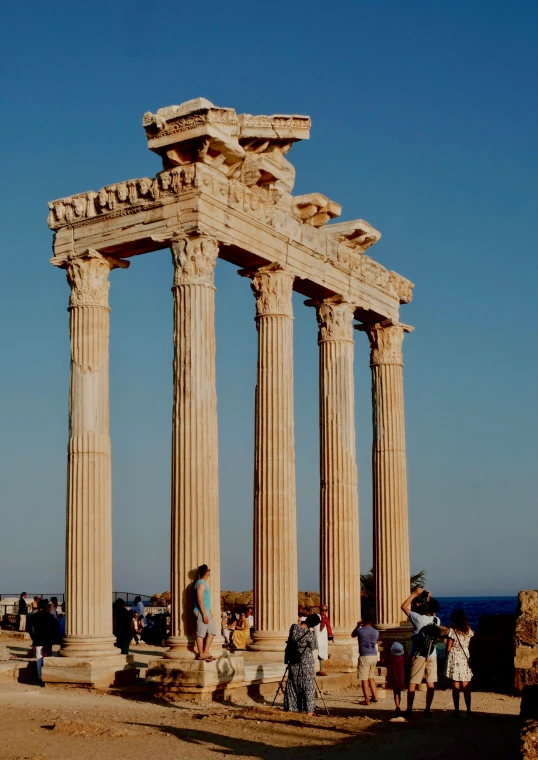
{"points": [[275, 528], [195, 496], [389, 472], [88, 576], [339, 525]]}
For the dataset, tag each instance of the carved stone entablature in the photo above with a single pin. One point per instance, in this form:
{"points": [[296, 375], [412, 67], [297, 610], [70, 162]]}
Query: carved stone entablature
{"points": [[386, 340], [200, 131], [402, 287], [315, 209], [357, 234]]}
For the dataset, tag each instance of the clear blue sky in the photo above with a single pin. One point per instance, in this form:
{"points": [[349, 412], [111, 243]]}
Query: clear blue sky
{"points": [[424, 123]]}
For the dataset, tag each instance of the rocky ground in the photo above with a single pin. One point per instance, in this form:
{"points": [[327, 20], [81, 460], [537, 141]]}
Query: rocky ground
{"points": [[70, 723]]}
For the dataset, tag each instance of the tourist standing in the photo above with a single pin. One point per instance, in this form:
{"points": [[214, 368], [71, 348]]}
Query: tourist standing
{"points": [[396, 673], [53, 607], [300, 692], [457, 666], [44, 633], [122, 625], [138, 606], [34, 604], [426, 632], [23, 611], [368, 654], [205, 625], [323, 632]]}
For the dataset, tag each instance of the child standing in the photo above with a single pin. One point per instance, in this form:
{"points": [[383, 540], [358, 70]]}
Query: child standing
{"points": [[395, 672]]}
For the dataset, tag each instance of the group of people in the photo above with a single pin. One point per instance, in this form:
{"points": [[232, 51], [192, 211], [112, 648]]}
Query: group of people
{"points": [[423, 659], [46, 626], [237, 628], [26, 609], [132, 623], [306, 636]]}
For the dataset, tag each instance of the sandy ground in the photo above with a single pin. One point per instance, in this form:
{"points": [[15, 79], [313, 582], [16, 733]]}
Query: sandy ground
{"points": [[69, 723]]}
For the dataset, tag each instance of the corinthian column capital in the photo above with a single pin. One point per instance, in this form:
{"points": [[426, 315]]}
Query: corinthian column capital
{"points": [[87, 276], [194, 258], [386, 340], [335, 319], [272, 286]]}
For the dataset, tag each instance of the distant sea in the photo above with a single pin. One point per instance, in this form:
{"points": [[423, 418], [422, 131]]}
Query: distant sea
{"points": [[475, 607]]}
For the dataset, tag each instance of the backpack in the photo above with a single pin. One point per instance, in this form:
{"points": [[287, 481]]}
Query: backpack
{"points": [[292, 653], [427, 638]]}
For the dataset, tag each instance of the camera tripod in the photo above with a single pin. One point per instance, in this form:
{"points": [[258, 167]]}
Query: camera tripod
{"points": [[280, 687]]}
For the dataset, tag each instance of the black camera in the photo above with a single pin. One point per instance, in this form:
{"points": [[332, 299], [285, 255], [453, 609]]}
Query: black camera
{"points": [[424, 597]]}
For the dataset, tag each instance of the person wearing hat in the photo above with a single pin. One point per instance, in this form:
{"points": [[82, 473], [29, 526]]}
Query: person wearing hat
{"points": [[395, 672]]}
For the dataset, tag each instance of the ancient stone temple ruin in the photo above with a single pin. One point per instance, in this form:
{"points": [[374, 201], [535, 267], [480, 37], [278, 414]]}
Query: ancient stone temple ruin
{"points": [[225, 190]]}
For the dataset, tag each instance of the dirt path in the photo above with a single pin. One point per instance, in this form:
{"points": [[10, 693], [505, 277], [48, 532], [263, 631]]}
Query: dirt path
{"points": [[58, 723]]}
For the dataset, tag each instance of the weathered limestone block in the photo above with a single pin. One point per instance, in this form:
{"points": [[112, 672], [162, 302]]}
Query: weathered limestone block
{"points": [[529, 740], [526, 640]]}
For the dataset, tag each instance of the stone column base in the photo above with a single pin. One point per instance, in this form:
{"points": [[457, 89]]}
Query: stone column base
{"points": [[117, 670], [343, 658], [196, 676]]}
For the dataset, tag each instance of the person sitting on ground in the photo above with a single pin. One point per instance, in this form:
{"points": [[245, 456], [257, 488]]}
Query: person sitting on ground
{"points": [[368, 655], [457, 666], [241, 634], [424, 654], [395, 662], [205, 625], [300, 692], [44, 633]]}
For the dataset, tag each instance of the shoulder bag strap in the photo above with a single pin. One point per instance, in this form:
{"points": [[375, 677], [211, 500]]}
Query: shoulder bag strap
{"points": [[461, 646]]}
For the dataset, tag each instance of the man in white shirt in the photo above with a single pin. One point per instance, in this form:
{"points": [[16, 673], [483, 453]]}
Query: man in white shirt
{"points": [[422, 665]]}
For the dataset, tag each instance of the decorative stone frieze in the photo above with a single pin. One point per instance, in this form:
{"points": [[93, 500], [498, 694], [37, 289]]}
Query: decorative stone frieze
{"points": [[389, 471]]}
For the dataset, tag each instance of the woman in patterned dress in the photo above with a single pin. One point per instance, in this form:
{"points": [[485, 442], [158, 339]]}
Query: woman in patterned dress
{"points": [[457, 659], [300, 693]]}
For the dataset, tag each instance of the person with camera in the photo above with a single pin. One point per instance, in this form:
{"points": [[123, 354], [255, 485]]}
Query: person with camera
{"points": [[426, 633]]}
